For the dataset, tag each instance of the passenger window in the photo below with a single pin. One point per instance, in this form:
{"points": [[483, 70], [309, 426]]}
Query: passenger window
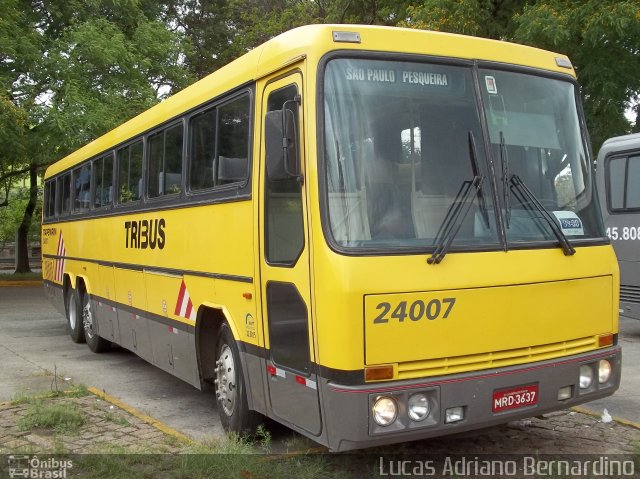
{"points": [[50, 199], [82, 188], [165, 162], [633, 186], [219, 145], [203, 150], [64, 195], [103, 181], [617, 167], [233, 141], [130, 173]]}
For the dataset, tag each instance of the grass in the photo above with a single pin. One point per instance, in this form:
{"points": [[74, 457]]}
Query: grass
{"points": [[74, 392], [116, 419], [232, 457], [21, 277], [59, 417]]}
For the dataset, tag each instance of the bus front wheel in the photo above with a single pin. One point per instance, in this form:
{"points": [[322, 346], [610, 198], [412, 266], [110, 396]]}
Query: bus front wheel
{"points": [[231, 392], [95, 342], [74, 317]]}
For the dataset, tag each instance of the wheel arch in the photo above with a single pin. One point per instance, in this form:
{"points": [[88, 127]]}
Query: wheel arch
{"points": [[209, 320]]}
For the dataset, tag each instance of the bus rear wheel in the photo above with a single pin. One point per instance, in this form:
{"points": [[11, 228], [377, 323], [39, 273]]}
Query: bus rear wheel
{"points": [[74, 317], [231, 392], [95, 342]]}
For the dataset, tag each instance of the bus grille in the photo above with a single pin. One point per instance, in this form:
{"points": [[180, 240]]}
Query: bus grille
{"points": [[496, 359], [630, 294]]}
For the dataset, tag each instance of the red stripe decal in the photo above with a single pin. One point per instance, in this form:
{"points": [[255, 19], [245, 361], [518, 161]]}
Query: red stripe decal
{"points": [[301, 380], [183, 289]]}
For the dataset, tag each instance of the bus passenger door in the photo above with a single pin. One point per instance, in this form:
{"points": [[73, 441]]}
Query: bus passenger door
{"points": [[284, 251]]}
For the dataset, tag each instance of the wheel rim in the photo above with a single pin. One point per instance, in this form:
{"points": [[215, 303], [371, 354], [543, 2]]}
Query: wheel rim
{"points": [[73, 319], [87, 320], [226, 380]]}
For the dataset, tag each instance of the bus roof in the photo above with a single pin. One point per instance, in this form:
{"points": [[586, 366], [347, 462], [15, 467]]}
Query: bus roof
{"points": [[619, 144], [313, 42]]}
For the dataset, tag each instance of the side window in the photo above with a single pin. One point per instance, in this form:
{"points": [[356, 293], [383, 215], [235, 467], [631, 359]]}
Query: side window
{"points": [[203, 150], [233, 141], [82, 188], [165, 162], [633, 185], [219, 145], [63, 197], [617, 170], [623, 192], [130, 173], [50, 199], [283, 203], [103, 181]]}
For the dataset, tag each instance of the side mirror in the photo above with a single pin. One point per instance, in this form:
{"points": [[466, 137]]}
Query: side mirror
{"points": [[281, 144]]}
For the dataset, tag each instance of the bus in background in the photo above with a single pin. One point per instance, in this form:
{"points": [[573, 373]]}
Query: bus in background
{"points": [[369, 234], [618, 176]]}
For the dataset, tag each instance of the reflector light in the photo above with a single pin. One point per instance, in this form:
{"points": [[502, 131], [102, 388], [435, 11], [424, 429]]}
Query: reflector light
{"points": [[377, 373], [605, 340]]}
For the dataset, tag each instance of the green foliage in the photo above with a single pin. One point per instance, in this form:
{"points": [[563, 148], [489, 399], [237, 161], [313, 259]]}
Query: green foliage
{"points": [[602, 38]]}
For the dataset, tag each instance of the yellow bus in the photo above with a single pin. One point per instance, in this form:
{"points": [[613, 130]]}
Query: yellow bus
{"points": [[369, 234]]}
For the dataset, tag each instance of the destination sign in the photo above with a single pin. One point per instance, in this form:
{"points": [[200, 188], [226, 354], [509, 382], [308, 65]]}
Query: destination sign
{"points": [[384, 75]]}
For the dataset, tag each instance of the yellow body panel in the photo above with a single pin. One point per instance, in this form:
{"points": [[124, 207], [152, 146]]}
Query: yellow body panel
{"points": [[504, 301]]}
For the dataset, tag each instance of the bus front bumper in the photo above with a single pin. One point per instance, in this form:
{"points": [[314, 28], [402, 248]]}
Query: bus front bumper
{"points": [[465, 402]]}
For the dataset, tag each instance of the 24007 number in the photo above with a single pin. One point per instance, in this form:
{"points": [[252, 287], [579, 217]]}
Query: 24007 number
{"points": [[415, 311]]}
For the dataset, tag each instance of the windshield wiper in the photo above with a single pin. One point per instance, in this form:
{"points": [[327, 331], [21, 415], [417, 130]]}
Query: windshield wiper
{"points": [[506, 192], [461, 205], [522, 188], [473, 157]]}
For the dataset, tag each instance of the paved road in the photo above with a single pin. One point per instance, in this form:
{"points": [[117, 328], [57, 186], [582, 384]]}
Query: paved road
{"points": [[33, 339]]}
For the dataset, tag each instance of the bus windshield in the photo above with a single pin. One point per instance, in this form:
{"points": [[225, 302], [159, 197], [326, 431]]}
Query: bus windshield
{"points": [[397, 156]]}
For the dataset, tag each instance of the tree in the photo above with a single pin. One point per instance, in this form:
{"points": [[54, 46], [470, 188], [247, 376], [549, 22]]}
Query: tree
{"points": [[602, 38], [72, 70]]}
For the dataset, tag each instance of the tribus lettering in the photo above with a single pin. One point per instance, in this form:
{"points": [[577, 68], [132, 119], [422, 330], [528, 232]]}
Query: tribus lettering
{"points": [[145, 234]]}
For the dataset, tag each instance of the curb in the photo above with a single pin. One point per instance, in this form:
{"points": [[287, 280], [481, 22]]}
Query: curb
{"points": [[20, 283], [590, 412], [159, 425]]}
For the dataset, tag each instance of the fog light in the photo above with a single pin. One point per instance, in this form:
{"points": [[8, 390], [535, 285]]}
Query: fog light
{"points": [[604, 371], [586, 376], [565, 393], [418, 407], [385, 411], [454, 414]]}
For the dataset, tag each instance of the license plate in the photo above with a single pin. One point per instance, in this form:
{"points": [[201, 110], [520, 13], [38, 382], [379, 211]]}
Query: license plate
{"points": [[515, 398]]}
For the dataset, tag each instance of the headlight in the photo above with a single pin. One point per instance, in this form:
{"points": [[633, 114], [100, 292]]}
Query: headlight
{"points": [[604, 371], [418, 407], [586, 376], [385, 411]]}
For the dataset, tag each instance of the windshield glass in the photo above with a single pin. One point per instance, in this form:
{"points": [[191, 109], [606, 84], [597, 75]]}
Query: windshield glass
{"points": [[397, 153], [535, 134], [397, 156]]}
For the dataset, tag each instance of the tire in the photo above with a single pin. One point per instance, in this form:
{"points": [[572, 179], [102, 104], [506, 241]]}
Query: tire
{"points": [[95, 342], [74, 316], [230, 388]]}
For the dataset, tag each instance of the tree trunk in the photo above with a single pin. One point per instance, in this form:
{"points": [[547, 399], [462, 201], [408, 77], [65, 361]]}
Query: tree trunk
{"points": [[22, 243]]}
